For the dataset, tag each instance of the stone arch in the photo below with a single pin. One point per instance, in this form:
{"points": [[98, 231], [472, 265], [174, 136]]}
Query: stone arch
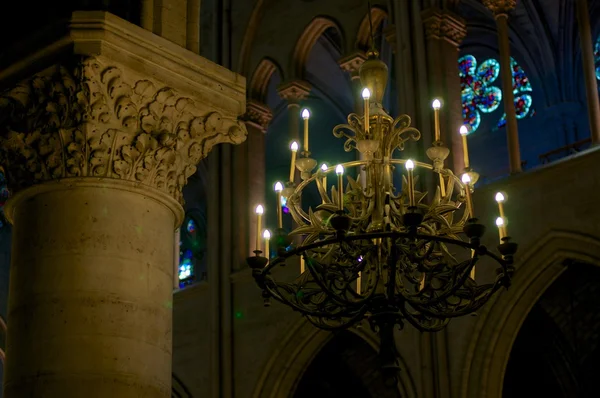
{"points": [[295, 353], [499, 323], [363, 36], [260, 79], [249, 35], [307, 40]]}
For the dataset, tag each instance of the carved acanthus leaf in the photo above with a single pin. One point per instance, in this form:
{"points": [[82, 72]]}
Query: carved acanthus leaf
{"points": [[94, 120]]}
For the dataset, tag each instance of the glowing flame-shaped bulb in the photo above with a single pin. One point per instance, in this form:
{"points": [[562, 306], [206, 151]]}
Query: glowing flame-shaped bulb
{"points": [[305, 114], [339, 170], [267, 234], [278, 187], [409, 164], [466, 179], [463, 130], [499, 222], [500, 197], [366, 94], [259, 209], [294, 146], [323, 167], [436, 104]]}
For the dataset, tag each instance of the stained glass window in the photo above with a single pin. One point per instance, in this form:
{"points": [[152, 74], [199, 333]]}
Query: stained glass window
{"points": [[3, 196], [480, 94], [192, 246]]}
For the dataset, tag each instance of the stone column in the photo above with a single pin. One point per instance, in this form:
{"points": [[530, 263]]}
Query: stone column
{"points": [[501, 8], [257, 119], [589, 69], [97, 149], [444, 32], [294, 92]]}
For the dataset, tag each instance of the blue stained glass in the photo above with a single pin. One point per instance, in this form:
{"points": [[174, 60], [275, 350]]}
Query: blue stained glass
{"points": [[479, 95], [283, 204], [191, 226], [489, 100], [489, 70]]}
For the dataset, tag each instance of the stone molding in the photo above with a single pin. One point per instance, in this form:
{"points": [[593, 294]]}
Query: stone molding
{"points": [[444, 25], [99, 33], [295, 91], [352, 63], [92, 117], [500, 7], [258, 115]]}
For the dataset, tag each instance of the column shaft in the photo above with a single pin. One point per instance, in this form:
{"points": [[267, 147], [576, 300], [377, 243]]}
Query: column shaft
{"points": [[90, 290], [512, 132], [589, 70]]}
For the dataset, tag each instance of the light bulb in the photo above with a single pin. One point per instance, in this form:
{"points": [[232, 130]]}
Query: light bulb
{"points": [[463, 130], [294, 146], [409, 164], [323, 167], [436, 104], [339, 169], [500, 197], [267, 234], [466, 178], [500, 222], [278, 187], [366, 94], [305, 114], [260, 209]]}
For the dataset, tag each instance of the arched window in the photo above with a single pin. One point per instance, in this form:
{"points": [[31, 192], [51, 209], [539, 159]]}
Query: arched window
{"points": [[192, 247], [3, 196], [480, 94]]}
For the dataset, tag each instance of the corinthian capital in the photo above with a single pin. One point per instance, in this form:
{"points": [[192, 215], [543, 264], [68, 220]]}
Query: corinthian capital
{"points": [[120, 103], [500, 7], [94, 119]]}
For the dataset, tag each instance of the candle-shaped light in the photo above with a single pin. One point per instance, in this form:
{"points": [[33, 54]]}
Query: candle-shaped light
{"points": [[339, 170], [278, 189], [501, 198], [294, 148], [410, 165], [267, 237], [436, 105], [466, 179], [324, 170], [501, 226], [259, 212], [305, 116], [464, 131], [366, 94]]}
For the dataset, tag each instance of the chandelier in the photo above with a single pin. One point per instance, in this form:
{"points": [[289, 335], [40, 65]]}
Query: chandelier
{"points": [[377, 247]]}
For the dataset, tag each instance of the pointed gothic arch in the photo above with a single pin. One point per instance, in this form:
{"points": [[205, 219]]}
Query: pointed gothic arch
{"points": [[378, 15], [500, 321], [295, 353], [261, 78], [307, 40]]}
